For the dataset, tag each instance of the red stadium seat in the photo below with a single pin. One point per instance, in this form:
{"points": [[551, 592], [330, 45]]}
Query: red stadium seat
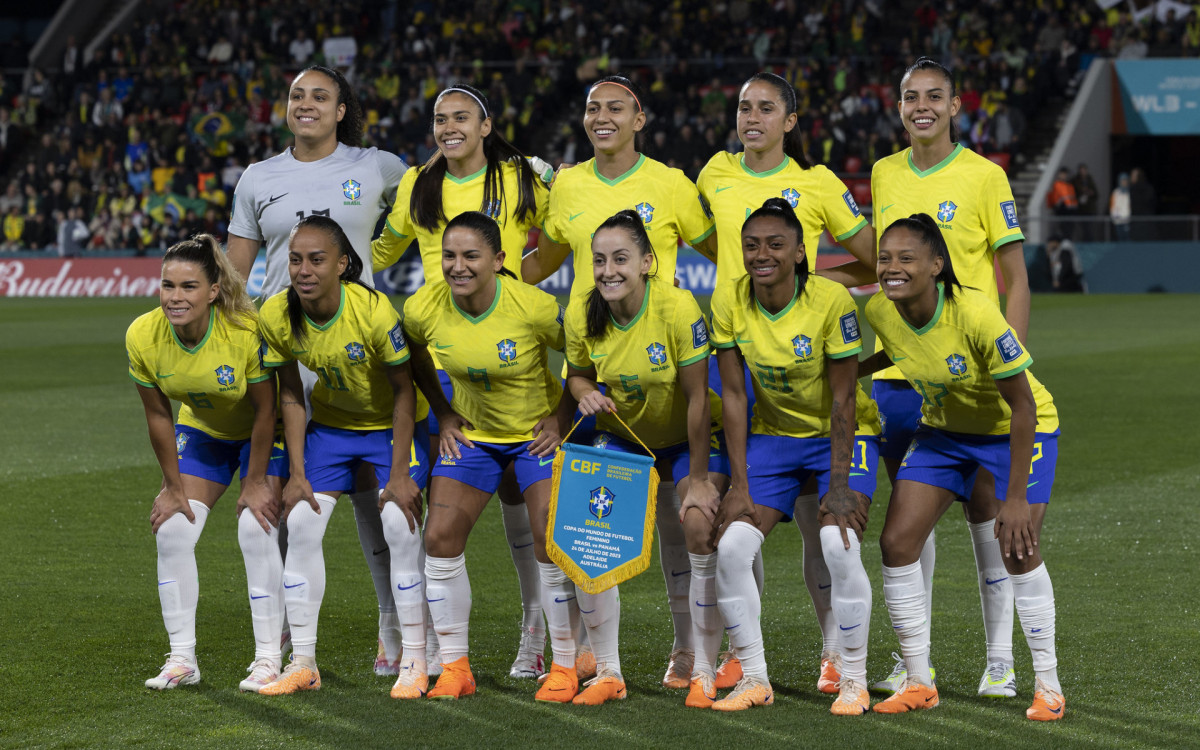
{"points": [[999, 158], [861, 190], [854, 165]]}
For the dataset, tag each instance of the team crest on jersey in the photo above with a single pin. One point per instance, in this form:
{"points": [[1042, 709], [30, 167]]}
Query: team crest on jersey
{"points": [[802, 345], [957, 364], [225, 375], [946, 211], [646, 211], [181, 441], [356, 352], [657, 353], [601, 502], [352, 189], [507, 349], [791, 196], [492, 209]]}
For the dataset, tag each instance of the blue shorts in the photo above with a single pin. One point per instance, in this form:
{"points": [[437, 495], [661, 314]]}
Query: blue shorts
{"points": [[678, 457], [448, 390], [714, 382], [332, 456], [778, 467], [202, 455], [950, 460], [482, 466], [899, 414], [586, 433]]}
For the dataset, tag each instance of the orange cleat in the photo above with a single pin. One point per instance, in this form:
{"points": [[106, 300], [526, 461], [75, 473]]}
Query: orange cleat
{"points": [[560, 685], [455, 682], [295, 678], [1047, 704], [679, 669], [729, 672], [831, 674], [912, 696], [605, 686], [852, 699], [701, 693], [413, 682], [750, 691], [585, 663]]}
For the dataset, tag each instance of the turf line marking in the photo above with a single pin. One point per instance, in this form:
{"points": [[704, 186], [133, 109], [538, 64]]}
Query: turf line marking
{"points": [[566, 715]]}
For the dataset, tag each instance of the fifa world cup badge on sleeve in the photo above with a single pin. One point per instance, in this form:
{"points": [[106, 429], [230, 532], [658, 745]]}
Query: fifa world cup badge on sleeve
{"points": [[601, 523]]}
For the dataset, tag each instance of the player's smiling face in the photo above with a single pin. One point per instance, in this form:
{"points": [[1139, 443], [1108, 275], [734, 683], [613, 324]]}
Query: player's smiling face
{"points": [[459, 126], [612, 118], [315, 264], [771, 250], [762, 117], [313, 111], [926, 105], [468, 263], [907, 266], [185, 293], [618, 265]]}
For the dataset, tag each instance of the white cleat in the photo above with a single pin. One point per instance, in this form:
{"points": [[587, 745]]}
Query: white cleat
{"points": [[530, 663], [262, 672], [998, 681], [179, 670]]}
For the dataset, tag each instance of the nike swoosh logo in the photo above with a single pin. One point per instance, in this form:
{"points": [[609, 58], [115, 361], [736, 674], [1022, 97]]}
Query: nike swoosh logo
{"points": [[160, 376], [722, 188], [822, 588], [560, 600], [439, 347], [993, 581], [1036, 630], [254, 598], [545, 462], [1030, 485], [406, 588], [583, 611], [573, 217], [294, 585], [885, 208], [597, 356], [930, 698], [852, 627], [676, 574], [431, 601], [523, 546], [379, 552], [164, 583], [731, 627], [1056, 710], [299, 351], [897, 359], [701, 604], [275, 198], [858, 473]]}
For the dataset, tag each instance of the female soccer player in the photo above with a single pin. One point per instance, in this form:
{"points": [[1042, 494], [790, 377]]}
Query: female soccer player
{"points": [[799, 335], [773, 164], [648, 340], [475, 169], [980, 408], [201, 348], [491, 333], [324, 173], [974, 207], [619, 178], [362, 413]]}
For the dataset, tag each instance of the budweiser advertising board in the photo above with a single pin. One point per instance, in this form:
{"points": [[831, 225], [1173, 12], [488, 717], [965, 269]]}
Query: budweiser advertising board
{"points": [[79, 277]]}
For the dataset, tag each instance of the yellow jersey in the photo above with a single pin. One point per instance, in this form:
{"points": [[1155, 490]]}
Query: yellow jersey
{"points": [[787, 354], [734, 191], [208, 380], [954, 360], [497, 361]]}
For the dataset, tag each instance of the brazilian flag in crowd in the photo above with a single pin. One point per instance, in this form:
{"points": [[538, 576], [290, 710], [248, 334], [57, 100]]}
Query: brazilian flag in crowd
{"points": [[216, 129]]}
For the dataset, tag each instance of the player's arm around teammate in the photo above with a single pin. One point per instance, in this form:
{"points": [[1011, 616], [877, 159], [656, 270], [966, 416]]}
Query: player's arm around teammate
{"points": [[491, 333], [799, 333], [981, 409], [363, 408], [201, 348]]}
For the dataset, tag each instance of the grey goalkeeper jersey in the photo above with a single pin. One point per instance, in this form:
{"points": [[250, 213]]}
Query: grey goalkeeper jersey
{"points": [[352, 186]]}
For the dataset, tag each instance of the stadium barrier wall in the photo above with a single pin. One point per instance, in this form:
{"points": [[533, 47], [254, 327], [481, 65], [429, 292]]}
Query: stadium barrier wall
{"points": [[1126, 267]]}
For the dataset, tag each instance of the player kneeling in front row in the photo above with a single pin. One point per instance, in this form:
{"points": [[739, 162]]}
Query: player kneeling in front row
{"points": [[981, 409]]}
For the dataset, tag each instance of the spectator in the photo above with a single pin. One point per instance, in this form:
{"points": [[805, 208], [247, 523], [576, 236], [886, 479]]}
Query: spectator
{"points": [[1061, 199], [1120, 208], [38, 233], [1142, 202], [1088, 197], [301, 48], [1066, 269], [14, 228], [72, 232]]}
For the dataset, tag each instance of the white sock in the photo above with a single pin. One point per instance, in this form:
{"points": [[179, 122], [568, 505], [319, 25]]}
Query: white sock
{"points": [[178, 579], [374, 546], [264, 580], [816, 572], [1035, 606], [304, 572], [706, 617], [673, 556], [562, 613], [760, 576], [928, 560], [995, 592], [448, 591], [904, 592], [601, 613], [408, 583], [283, 535], [520, 543], [851, 600], [737, 596]]}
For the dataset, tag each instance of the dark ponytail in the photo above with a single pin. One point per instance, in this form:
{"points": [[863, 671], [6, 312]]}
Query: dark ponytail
{"points": [[793, 140], [487, 229], [598, 311], [780, 209], [352, 272], [425, 203], [928, 63], [927, 231], [635, 91], [350, 127]]}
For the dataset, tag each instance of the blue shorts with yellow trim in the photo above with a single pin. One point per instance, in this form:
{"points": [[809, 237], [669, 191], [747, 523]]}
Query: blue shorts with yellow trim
{"points": [[950, 460], [332, 456], [202, 455], [899, 414], [678, 457], [778, 467], [448, 390], [482, 466]]}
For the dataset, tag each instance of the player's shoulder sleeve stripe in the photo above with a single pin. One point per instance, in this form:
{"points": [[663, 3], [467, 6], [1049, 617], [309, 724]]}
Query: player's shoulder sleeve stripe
{"points": [[1017, 236], [853, 230], [141, 382]]}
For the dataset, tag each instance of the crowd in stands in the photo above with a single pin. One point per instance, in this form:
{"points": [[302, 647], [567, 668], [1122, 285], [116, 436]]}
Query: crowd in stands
{"points": [[143, 142]]}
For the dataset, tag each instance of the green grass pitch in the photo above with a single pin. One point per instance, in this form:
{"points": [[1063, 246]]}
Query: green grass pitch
{"points": [[81, 626]]}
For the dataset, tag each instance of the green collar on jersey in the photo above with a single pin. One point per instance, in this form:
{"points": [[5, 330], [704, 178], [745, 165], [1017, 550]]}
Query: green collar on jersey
{"points": [[786, 308], [468, 178], [212, 321], [636, 166], [336, 315], [772, 171], [625, 328], [485, 313], [940, 165], [937, 313]]}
